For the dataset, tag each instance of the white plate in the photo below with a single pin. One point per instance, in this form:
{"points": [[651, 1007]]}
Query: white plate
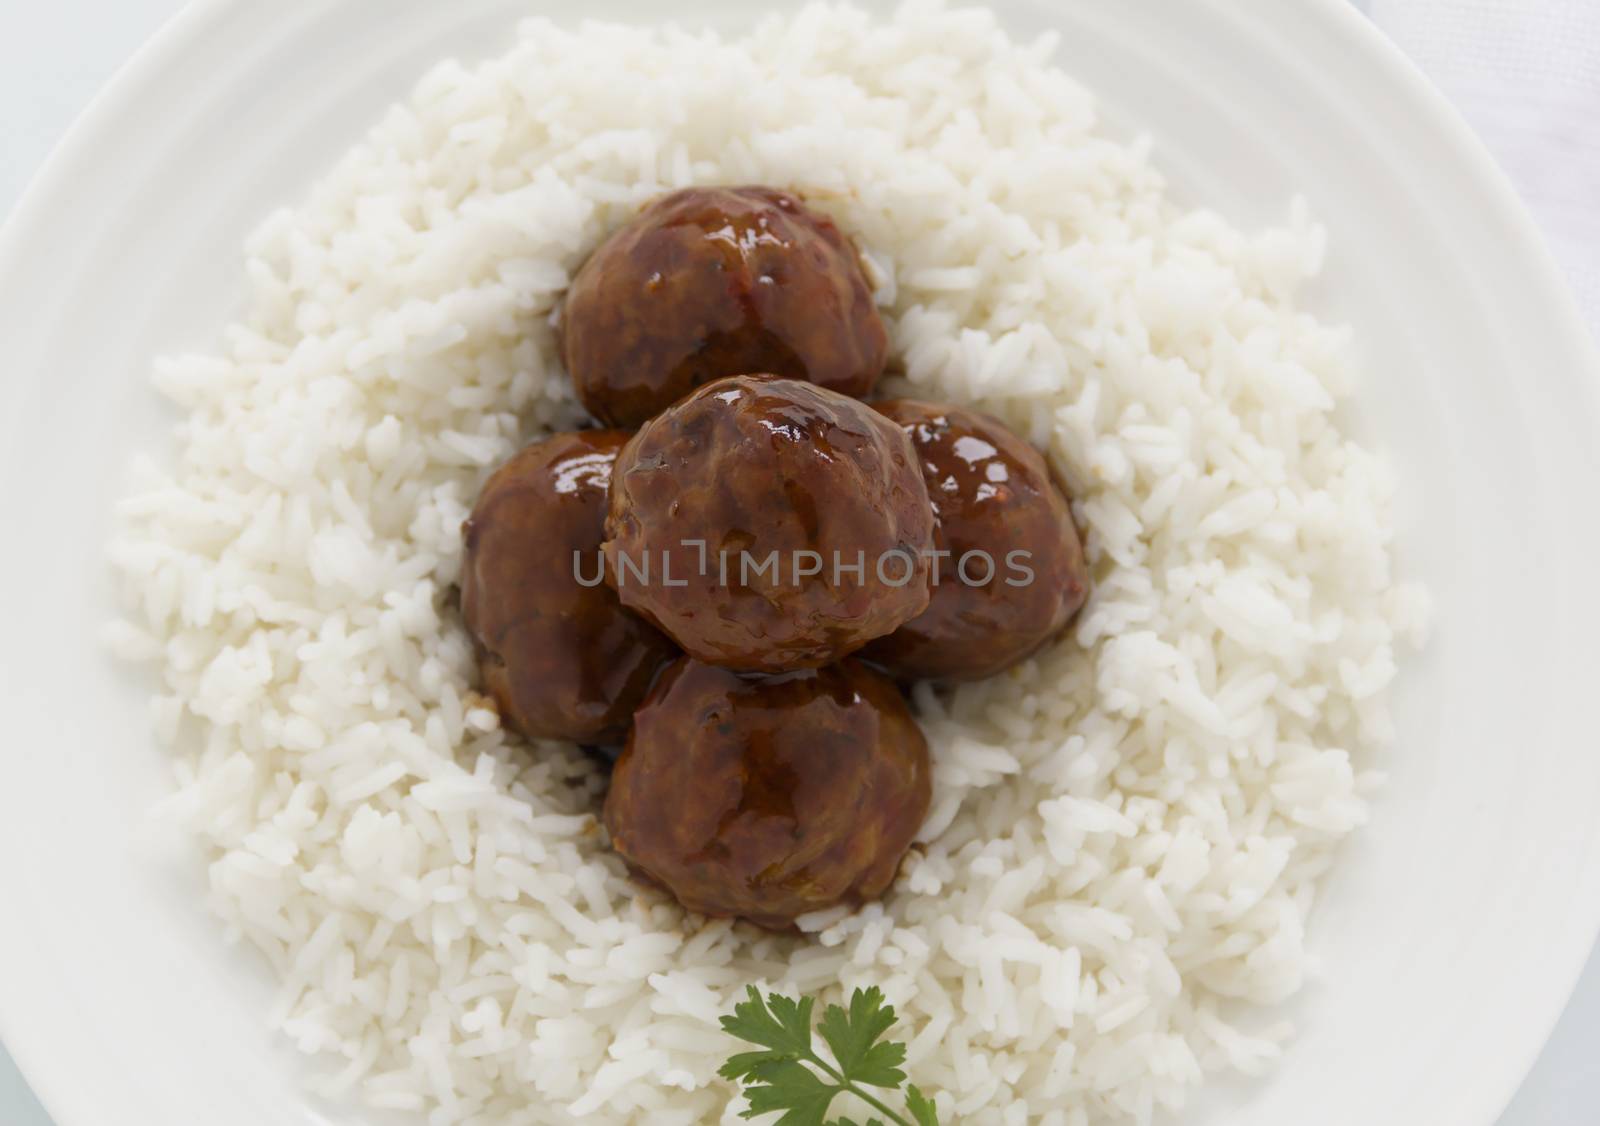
{"points": [[1454, 927]]}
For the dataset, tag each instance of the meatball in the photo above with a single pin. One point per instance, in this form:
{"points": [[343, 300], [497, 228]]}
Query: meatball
{"points": [[711, 282], [767, 797], [562, 658], [766, 524], [994, 497]]}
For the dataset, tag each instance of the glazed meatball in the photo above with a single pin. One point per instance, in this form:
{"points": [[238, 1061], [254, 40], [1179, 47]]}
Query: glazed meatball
{"points": [[767, 797], [766, 524], [711, 282], [562, 659], [993, 495]]}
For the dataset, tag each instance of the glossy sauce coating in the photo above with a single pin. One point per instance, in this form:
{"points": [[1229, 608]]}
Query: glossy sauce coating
{"points": [[752, 470], [766, 797], [562, 660], [710, 282], [994, 493]]}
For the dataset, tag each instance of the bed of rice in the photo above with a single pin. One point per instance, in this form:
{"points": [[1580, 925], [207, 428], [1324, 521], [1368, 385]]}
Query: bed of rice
{"points": [[1127, 833]]}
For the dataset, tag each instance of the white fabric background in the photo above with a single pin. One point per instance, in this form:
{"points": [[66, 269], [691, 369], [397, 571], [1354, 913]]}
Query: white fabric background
{"points": [[1526, 73]]}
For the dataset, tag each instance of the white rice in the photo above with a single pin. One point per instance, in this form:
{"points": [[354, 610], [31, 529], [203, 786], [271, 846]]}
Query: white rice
{"points": [[1126, 833]]}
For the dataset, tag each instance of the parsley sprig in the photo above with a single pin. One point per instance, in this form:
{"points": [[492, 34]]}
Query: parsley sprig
{"points": [[788, 1075]]}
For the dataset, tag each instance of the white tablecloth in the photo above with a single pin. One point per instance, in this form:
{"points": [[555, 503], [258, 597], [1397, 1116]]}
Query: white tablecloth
{"points": [[1525, 72]]}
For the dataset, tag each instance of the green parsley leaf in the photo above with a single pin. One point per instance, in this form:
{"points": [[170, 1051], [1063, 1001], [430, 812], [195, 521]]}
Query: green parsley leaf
{"points": [[788, 1078], [744, 1064], [776, 1023], [787, 1085], [923, 1112], [853, 1037]]}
